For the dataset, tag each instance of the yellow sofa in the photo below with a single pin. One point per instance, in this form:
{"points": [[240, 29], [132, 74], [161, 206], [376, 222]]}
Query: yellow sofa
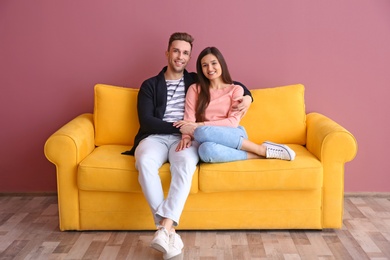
{"points": [[98, 187]]}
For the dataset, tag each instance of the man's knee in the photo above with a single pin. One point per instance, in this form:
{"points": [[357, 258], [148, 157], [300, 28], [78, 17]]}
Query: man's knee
{"points": [[150, 157]]}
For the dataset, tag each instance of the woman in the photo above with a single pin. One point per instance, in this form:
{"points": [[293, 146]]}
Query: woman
{"points": [[209, 119]]}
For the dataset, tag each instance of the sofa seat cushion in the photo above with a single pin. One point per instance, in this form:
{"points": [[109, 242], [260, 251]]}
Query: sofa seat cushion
{"points": [[304, 173], [106, 169]]}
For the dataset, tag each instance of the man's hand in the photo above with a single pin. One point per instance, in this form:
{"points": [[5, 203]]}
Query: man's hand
{"points": [[186, 127], [242, 104], [183, 144]]}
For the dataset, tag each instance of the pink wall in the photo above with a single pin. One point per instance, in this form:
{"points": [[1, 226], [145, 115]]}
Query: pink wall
{"points": [[52, 53]]}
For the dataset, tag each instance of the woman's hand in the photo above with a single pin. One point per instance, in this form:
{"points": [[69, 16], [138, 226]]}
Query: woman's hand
{"points": [[184, 143], [186, 127], [180, 123]]}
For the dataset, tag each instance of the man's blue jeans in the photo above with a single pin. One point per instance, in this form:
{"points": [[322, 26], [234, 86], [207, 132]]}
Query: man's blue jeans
{"points": [[220, 143]]}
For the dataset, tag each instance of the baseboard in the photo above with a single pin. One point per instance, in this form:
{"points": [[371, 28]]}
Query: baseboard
{"points": [[27, 194], [368, 194], [40, 194]]}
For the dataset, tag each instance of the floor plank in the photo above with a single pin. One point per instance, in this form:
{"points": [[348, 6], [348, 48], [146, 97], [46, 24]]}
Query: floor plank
{"points": [[29, 230]]}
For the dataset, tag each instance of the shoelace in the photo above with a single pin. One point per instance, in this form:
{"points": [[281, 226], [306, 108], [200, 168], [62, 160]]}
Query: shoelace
{"points": [[172, 239], [275, 153], [163, 229]]}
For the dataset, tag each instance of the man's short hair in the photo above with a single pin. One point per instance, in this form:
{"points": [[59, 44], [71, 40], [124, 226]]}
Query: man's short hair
{"points": [[180, 36]]}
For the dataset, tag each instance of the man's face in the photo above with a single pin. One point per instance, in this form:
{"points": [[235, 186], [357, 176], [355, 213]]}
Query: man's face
{"points": [[178, 56]]}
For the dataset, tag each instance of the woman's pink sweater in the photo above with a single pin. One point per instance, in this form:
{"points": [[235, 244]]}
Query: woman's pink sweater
{"points": [[219, 111]]}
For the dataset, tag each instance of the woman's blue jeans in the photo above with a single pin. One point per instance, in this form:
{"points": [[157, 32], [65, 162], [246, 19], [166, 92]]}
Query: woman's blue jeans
{"points": [[220, 143]]}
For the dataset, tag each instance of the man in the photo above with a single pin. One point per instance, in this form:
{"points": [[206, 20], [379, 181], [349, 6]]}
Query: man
{"points": [[161, 101]]}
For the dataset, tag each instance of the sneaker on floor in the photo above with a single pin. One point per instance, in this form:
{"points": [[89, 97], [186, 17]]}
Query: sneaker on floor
{"points": [[175, 247], [160, 241], [279, 151]]}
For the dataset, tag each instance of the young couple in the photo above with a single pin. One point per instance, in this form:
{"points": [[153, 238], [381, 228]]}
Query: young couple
{"points": [[184, 116]]}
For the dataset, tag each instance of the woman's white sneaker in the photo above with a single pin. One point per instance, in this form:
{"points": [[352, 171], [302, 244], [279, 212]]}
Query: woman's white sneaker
{"points": [[279, 151]]}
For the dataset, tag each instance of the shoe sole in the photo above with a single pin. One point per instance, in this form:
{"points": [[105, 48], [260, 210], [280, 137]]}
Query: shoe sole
{"points": [[158, 248]]}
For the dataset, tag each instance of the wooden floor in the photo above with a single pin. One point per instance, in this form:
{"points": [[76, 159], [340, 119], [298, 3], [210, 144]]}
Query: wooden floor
{"points": [[29, 230]]}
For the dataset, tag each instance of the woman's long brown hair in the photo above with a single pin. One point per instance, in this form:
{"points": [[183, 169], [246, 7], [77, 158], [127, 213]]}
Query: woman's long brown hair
{"points": [[204, 82]]}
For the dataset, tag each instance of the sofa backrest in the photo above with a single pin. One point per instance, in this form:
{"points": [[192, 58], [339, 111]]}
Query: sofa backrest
{"points": [[277, 115]]}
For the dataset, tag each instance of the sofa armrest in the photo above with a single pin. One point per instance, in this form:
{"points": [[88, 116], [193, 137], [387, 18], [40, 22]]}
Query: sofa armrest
{"points": [[326, 139], [66, 148], [333, 145]]}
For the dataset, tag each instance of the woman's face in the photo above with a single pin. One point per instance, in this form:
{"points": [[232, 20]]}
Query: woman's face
{"points": [[211, 67]]}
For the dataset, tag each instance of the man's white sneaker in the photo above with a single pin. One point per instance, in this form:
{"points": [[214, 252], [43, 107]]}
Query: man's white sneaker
{"points": [[175, 247], [160, 242], [279, 151]]}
